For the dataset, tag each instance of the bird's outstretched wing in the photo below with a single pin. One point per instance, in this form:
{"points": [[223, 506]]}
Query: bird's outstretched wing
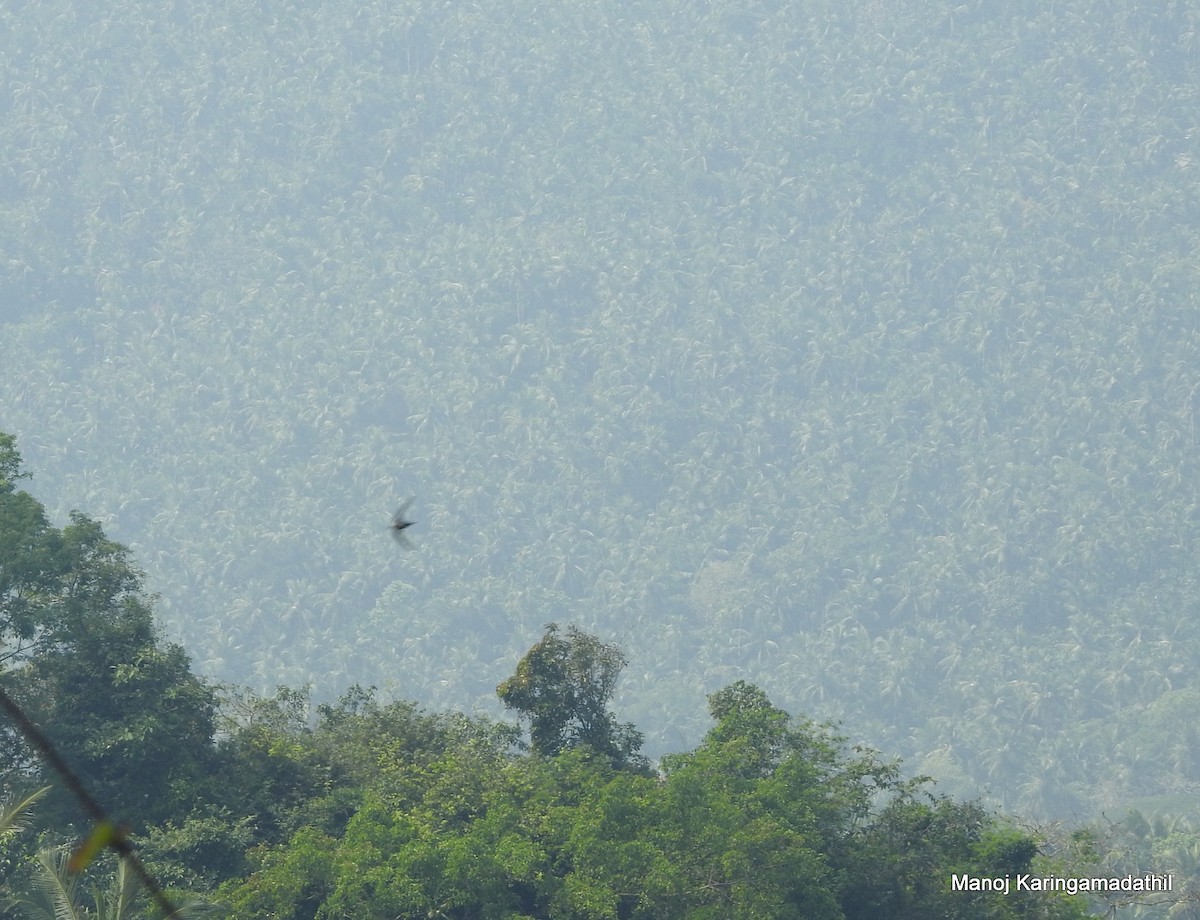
{"points": [[400, 523], [402, 540]]}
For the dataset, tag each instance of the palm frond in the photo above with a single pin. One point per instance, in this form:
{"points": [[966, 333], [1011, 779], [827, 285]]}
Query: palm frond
{"points": [[56, 887], [117, 902], [15, 817]]}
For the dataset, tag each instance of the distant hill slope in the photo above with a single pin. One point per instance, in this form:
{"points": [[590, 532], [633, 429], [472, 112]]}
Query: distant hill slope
{"points": [[849, 350]]}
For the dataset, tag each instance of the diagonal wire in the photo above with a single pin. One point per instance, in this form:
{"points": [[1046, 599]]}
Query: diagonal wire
{"points": [[118, 840]]}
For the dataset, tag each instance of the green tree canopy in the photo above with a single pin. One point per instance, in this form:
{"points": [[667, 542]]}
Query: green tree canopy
{"points": [[29, 557], [562, 687], [86, 662], [769, 817]]}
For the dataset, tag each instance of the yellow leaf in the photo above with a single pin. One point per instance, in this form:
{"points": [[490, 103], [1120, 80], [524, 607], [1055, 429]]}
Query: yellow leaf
{"points": [[105, 834]]}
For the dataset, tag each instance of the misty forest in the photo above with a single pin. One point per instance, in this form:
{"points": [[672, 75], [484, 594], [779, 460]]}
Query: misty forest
{"points": [[800, 406]]}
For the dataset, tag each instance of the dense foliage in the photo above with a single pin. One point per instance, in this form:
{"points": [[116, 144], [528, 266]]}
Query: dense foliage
{"points": [[367, 809], [766, 818], [562, 687], [844, 348], [83, 658]]}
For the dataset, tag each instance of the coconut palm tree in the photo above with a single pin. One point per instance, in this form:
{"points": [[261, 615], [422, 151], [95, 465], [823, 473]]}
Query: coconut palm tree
{"points": [[56, 895], [55, 892]]}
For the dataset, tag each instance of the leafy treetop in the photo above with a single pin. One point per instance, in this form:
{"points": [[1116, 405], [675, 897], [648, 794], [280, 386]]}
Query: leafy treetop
{"points": [[562, 687]]}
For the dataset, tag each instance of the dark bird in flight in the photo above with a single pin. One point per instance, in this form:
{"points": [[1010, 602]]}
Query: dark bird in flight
{"points": [[399, 524]]}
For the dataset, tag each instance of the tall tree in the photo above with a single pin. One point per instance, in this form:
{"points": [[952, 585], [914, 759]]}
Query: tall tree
{"points": [[86, 662], [29, 563], [562, 687]]}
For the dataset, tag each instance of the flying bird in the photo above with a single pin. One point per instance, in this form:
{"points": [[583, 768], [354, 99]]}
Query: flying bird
{"points": [[399, 524]]}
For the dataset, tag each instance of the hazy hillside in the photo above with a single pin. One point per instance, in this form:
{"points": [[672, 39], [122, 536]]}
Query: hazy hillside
{"points": [[847, 350]]}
